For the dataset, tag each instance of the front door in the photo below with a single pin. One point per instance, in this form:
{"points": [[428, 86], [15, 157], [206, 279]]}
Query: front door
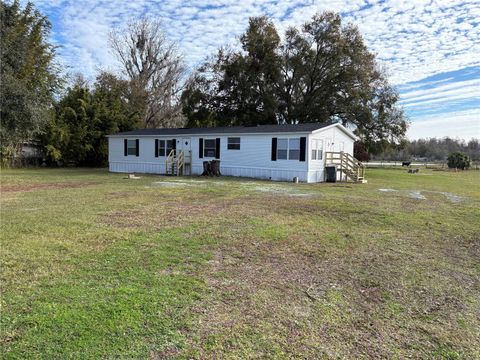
{"points": [[186, 145]]}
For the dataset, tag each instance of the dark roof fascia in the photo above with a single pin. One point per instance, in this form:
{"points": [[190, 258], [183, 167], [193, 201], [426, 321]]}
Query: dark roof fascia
{"points": [[274, 129]]}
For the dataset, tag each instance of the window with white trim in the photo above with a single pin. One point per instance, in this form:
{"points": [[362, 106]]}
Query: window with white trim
{"points": [[233, 143], [131, 147], [317, 149], [288, 149], [209, 148]]}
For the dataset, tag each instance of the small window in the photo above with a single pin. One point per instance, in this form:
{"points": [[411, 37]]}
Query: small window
{"points": [[317, 149], [161, 147], [209, 148], [131, 147], [341, 146], [233, 143], [282, 149], [294, 149]]}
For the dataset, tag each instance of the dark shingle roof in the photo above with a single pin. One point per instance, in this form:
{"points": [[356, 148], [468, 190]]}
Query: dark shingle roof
{"points": [[259, 129]]}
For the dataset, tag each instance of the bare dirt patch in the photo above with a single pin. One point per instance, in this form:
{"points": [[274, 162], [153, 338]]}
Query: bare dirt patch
{"points": [[279, 190], [170, 184], [173, 212], [44, 186], [419, 194]]}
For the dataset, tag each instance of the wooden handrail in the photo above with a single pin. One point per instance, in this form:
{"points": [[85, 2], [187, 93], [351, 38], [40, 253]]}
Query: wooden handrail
{"points": [[170, 156], [169, 161], [355, 161], [348, 165], [180, 162], [175, 162], [343, 157]]}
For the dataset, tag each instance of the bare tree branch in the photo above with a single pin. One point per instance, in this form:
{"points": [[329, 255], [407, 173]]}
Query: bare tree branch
{"points": [[154, 65]]}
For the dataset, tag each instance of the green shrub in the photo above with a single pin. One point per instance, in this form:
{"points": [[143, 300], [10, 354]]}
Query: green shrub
{"points": [[458, 160]]}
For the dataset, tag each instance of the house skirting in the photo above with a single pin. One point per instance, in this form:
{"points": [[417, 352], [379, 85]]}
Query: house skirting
{"points": [[241, 171]]}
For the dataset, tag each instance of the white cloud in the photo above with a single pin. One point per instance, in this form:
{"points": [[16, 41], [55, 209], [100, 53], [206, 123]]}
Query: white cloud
{"points": [[417, 85], [414, 39], [461, 124], [443, 90], [448, 94]]}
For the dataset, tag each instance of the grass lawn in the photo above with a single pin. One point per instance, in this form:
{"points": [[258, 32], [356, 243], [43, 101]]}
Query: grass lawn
{"points": [[97, 266]]}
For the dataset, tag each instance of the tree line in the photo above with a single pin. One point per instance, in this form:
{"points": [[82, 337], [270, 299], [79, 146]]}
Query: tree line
{"points": [[321, 71], [68, 120], [430, 150]]}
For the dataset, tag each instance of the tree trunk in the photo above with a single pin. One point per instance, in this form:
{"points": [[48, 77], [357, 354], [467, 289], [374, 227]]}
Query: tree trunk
{"points": [[211, 168]]}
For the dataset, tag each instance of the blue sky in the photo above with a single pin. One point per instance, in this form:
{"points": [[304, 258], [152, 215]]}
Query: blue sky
{"points": [[429, 48]]}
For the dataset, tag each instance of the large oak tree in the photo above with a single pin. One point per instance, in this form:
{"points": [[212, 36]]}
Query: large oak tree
{"points": [[321, 72]]}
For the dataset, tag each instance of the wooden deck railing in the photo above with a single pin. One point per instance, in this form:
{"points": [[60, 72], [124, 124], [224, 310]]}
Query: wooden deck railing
{"points": [[349, 167], [176, 161], [180, 163], [170, 163]]}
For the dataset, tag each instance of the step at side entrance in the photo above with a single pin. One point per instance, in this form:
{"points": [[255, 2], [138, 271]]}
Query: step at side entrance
{"points": [[350, 168]]}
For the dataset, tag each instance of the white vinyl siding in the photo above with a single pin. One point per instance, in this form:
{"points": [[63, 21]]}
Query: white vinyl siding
{"points": [[330, 139]]}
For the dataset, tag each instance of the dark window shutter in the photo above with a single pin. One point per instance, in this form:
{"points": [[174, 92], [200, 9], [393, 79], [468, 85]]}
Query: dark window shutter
{"points": [[125, 147], [217, 148], [137, 146], [274, 149], [303, 148], [174, 144], [200, 148], [156, 147]]}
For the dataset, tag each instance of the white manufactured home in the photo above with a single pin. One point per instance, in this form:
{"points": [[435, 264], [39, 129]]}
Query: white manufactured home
{"points": [[275, 152]]}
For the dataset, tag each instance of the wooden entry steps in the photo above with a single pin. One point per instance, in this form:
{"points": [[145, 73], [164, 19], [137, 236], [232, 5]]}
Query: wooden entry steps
{"points": [[176, 161], [350, 168]]}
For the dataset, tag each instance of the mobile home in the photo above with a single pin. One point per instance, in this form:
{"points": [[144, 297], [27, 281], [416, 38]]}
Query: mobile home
{"points": [[276, 152]]}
